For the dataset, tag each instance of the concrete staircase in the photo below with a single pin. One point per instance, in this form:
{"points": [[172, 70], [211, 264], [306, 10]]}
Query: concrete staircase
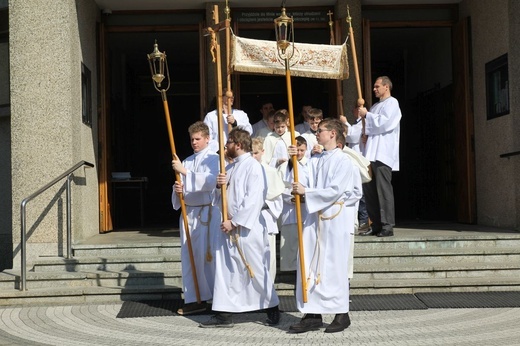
{"points": [[100, 273], [426, 263], [130, 267]]}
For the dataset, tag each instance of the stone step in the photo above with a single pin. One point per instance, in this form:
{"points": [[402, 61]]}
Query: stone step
{"points": [[437, 255], [437, 271], [461, 242], [10, 279], [506, 283], [118, 262], [114, 263], [81, 295], [109, 250], [171, 245]]}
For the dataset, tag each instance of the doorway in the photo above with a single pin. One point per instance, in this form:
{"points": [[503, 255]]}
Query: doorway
{"points": [[419, 63], [137, 131]]}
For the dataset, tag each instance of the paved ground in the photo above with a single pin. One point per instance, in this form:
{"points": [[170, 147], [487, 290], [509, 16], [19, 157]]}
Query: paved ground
{"points": [[91, 325]]}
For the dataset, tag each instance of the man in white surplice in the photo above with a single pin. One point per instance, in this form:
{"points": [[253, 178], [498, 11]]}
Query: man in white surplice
{"points": [[382, 126], [237, 118], [242, 280], [331, 202], [198, 174]]}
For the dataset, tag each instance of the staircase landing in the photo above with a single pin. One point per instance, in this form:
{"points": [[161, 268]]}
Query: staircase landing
{"points": [[405, 230]]}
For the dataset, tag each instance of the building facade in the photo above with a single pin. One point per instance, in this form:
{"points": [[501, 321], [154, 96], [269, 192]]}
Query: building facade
{"points": [[75, 86]]}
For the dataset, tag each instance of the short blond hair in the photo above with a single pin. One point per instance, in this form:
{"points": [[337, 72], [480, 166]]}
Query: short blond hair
{"points": [[258, 143], [199, 126]]}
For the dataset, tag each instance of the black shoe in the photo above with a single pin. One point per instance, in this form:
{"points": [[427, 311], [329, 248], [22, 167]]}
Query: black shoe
{"points": [[309, 322], [220, 320], [273, 316], [386, 233], [371, 231], [339, 324]]}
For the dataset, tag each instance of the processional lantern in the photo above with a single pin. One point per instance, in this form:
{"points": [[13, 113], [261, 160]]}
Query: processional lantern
{"points": [[158, 65], [284, 31]]}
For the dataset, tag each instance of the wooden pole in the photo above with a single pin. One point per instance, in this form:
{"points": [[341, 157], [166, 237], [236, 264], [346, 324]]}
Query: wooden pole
{"points": [[181, 196], [339, 87], [360, 100], [229, 92], [221, 149], [222, 160], [297, 201]]}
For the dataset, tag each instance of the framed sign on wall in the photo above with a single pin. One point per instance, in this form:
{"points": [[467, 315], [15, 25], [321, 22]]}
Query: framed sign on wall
{"points": [[86, 95], [497, 87]]}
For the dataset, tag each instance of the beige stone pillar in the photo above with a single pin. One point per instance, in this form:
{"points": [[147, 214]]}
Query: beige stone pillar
{"points": [[47, 45]]}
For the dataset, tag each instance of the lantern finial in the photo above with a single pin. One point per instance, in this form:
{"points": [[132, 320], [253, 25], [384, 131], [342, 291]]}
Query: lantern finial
{"points": [[157, 61]]}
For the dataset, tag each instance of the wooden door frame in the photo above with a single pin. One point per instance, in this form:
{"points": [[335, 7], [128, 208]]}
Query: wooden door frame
{"points": [[464, 123], [105, 216]]}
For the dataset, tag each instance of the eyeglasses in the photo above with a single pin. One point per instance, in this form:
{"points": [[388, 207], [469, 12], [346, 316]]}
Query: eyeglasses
{"points": [[230, 141], [321, 130]]}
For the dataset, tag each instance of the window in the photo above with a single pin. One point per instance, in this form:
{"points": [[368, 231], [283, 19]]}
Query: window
{"points": [[86, 96], [497, 87]]}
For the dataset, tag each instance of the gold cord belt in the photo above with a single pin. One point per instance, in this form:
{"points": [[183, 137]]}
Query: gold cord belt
{"points": [[316, 256], [209, 256]]}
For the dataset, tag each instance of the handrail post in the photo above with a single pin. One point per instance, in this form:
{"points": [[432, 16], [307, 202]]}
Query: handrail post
{"points": [[69, 219], [23, 240]]}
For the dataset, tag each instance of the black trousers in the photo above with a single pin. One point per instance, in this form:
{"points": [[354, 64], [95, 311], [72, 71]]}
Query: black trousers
{"points": [[379, 195]]}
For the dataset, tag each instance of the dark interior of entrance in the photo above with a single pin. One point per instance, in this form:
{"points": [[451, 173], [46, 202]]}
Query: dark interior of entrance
{"points": [[418, 61], [139, 141]]}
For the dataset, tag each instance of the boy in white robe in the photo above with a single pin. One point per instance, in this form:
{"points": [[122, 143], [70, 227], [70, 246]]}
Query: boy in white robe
{"points": [[303, 125], [242, 280], [273, 203], [276, 142], [198, 174], [263, 132], [314, 116], [289, 229], [265, 109], [237, 118], [328, 230]]}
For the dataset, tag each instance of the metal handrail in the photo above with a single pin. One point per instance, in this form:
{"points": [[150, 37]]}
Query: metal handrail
{"points": [[508, 155], [23, 238]]}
